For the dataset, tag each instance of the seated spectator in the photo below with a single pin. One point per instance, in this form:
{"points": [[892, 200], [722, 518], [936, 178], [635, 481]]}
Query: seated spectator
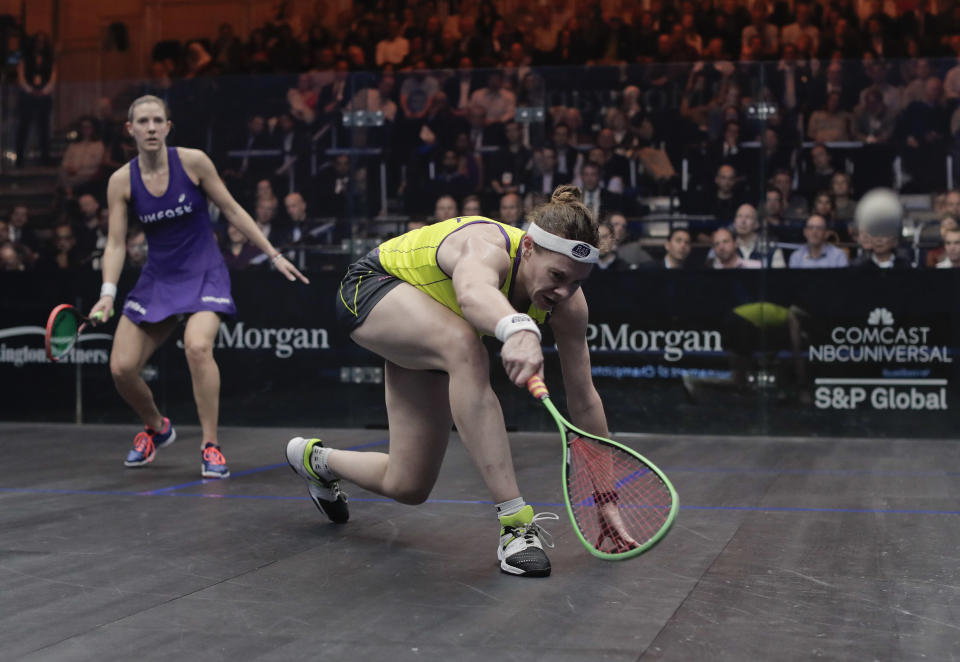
{"points": [[834, 80], [599, 200], [87, 224], [238, 252], [883, 254], [916, 89], [750, 245], [469, 163], [481, 134], [613, 164], [394, 47], [768, 33], [725, 254], [498, 103], [947, 224], [727, 150], [823, 207], [65, 255], [820, 173], [136, 248], [510, 166], [21, 233], [920, 132], [448, 179], [951, 244], [677, 248], [546, 177], [795, 205], [511, 211], [333, 97], [569, 160], [242, 173], [802, 26], [773, 156], [417, 92], [471, 206], [80, 168], [269, 222], [460, 86], [628, 248], [609, 261], [817, 253], [873, 120], [830, 123], [721, 200], [891, 95], [332, 186], [10, 259], [844, 203], [302, 99], [445, 208], [300, 229]]}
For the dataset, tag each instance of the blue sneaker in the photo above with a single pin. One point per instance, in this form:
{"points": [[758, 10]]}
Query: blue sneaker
{"points": [[146, 443], [214, 464]]}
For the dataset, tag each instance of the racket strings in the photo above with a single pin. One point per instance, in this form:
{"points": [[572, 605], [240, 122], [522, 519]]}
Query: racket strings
{"points": [[64, 332], [618, 502]]}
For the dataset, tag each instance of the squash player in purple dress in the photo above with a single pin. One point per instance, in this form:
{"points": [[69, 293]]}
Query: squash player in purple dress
{"points": [[184, 278]]}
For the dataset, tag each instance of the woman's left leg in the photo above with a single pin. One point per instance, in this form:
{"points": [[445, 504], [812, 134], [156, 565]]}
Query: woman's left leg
{"points": [[198, 339]]}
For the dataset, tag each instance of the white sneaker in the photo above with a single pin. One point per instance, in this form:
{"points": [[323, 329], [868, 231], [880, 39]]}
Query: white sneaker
{"points": [[521, 549], [302, 456]]}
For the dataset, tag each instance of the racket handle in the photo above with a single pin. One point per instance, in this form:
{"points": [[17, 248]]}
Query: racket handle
{"points": [[537, 388]]}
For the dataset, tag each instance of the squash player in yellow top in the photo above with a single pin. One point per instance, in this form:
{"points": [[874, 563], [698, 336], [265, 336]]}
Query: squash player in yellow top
{"points": [[421, 301]]}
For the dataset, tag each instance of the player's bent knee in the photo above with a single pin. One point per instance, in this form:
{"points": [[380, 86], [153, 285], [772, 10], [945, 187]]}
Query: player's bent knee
{"points": [[408, 493]]}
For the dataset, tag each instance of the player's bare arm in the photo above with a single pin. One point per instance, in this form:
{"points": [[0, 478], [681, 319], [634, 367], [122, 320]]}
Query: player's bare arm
{"points": [[199, 165], [115, 252], [569, 325]]}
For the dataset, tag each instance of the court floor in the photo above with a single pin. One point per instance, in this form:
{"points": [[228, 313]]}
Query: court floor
{"points": [[784, 549]]}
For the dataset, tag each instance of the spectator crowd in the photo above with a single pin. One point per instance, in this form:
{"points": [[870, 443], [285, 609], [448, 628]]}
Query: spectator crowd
{"points": [[759, 125]]}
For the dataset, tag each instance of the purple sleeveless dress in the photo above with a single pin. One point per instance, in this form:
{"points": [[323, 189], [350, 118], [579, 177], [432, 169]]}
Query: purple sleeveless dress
{"points": [[185, 272]]}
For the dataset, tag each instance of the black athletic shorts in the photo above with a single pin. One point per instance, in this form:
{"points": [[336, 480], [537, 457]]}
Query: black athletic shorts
{"points": [[361, 289]]}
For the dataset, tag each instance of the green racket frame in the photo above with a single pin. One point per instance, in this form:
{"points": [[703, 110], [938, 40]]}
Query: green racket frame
{"points": [[539, 390]]}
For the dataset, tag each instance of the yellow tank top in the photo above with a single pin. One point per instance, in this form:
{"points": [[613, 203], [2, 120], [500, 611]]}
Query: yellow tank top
{"points": [[412, 257]]}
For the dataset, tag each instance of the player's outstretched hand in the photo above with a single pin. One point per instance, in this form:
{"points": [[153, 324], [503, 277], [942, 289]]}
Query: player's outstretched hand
{"points": [[291, 273]]}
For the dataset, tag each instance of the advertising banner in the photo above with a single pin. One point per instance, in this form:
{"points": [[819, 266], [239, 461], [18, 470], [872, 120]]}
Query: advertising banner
{"points": [[831, 352]]}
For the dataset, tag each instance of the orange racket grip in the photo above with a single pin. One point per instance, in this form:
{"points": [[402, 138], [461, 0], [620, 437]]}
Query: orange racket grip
{"points": [[537, 388]]}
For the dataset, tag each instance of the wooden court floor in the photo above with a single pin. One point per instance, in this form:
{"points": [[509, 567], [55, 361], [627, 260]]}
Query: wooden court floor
{"points": [[784, 549]]}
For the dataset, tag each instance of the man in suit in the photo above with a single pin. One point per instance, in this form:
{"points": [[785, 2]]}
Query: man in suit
{"points": [[546, 176], [598, 200]]}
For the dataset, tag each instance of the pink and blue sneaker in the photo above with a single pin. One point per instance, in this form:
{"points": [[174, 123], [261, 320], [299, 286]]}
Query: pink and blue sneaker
{"points": [[213, 463], [146, 443]]}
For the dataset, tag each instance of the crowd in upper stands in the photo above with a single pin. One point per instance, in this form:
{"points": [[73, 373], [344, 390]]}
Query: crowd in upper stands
{"points": [[763, 121]]}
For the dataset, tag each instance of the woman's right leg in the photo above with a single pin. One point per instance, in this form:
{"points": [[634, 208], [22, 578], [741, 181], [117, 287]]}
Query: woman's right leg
{"points": [[416, 333], [419, 422], [132, 347]]}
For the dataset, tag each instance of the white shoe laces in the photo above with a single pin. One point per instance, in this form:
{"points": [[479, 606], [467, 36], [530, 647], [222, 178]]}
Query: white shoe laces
{"points": [[533, 528]]}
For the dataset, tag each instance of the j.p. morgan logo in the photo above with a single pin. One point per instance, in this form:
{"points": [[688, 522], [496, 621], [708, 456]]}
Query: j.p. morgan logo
{"points": [[283, 341], [673, 344], [880, 340]]}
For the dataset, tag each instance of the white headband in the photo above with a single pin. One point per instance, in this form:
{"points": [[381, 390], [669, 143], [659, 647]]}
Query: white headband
{"points": [[578, 251]]}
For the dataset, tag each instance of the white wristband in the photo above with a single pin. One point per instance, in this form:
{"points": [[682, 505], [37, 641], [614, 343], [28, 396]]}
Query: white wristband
{"points": [[108, 290], [509, 325]]}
